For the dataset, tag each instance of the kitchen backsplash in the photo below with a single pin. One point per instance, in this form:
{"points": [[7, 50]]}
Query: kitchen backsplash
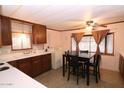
{"points": [[8, 49]]}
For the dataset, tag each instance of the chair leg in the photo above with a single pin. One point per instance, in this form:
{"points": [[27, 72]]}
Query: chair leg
{"points": [[94, 71], [83, 71], [68, 72], [99, 73], [66, 64], [77, 72], [96, 74]]}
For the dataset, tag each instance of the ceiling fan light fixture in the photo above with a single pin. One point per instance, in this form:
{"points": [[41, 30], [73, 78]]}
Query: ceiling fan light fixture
{"points": [[89, 28], [90, 23]]}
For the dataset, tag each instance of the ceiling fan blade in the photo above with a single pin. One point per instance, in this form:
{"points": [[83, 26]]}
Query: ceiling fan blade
{"points": [[83, 27], [101, 25]]}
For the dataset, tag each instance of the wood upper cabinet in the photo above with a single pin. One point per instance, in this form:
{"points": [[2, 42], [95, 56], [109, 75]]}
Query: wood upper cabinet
{"points": [[39, 34], [6, 35]]}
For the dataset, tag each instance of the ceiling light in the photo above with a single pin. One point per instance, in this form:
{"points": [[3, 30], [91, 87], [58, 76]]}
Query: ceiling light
{"points": [[89, 28]]}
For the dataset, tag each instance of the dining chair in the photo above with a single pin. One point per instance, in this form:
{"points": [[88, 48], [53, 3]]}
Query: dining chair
{"points": [[83, 51], [83, 63], [74, 65], [96, 66], [67, 60]]}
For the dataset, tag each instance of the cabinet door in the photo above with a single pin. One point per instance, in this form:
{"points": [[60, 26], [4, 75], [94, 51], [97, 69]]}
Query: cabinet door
{"points": [[6, 31], [39, 34], [46, 59], [25, 66], [36, 66], [121, 66], [120, 62]]}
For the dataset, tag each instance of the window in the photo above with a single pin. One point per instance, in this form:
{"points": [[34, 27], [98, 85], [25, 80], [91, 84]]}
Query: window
{"points": [[73, 44], [21, 35], [110, 44], [88, 43]]}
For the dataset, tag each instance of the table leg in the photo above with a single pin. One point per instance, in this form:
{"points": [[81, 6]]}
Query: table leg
{"points": [[88, 73], [63, 65]]}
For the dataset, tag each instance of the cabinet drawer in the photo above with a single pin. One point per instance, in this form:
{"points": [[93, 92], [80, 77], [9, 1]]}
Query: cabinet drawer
{"points": [[36, 58]]}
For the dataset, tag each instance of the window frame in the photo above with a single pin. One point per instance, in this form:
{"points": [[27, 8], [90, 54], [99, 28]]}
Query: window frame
{"points": [[29, 33], [111, 54], [105, 52]]}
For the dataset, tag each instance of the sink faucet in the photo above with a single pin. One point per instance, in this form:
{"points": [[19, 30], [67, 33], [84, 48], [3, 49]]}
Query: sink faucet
{"points": [[27, 51]]}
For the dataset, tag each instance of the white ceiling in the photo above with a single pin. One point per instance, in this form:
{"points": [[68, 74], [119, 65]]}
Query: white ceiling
{"points": [[63, 17]]}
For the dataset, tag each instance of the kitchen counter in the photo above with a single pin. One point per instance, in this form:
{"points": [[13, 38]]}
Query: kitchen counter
{"points": [[14, 78], [16, 56]]}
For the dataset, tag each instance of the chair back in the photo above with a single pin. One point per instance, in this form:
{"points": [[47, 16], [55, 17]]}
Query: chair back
{"points": [[74, 61], [67, 52], [67, 56], [83, 51], [97, 59]]}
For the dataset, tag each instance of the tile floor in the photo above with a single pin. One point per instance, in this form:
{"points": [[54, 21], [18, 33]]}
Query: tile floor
{"points": [[54, 79]]}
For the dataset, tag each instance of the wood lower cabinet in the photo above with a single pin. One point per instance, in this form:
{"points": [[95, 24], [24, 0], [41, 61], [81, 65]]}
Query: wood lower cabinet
{"points": [[36, 66], [25, 66], [46, 64], [13, 63], [121, 66], [33, 66]]}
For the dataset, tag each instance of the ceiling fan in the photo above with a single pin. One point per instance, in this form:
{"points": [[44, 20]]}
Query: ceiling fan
{"points": [[89, 25], [93, 24]]}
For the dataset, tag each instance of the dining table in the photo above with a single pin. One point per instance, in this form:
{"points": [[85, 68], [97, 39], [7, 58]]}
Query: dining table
{"points": [[83, 57]]}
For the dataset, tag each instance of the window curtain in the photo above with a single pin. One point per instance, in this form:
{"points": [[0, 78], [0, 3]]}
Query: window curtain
{"points": [[77, 38], [99, 36]]}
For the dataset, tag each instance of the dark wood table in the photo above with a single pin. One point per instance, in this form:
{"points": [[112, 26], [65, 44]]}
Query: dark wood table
{"points": [[82, 57]]}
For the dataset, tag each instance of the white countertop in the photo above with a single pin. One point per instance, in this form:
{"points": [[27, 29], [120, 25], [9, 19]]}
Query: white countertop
{"points": [[16, 56], [14, 78]]}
